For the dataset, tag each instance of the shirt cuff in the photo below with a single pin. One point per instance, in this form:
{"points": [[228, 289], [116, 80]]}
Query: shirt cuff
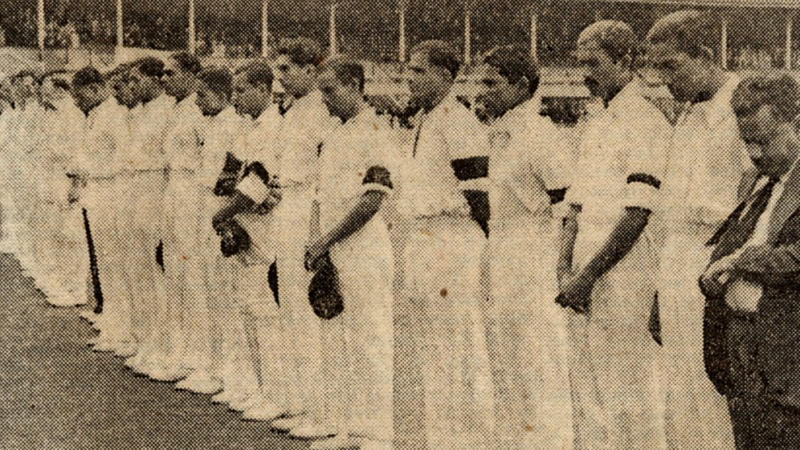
{"points": [[254, 188]]}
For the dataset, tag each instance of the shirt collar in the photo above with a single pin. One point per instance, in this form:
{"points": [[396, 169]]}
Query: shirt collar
{"points": [[226, 114], [623, 98], [521, 114], [312, 98], [718, 108], [106, 107]]}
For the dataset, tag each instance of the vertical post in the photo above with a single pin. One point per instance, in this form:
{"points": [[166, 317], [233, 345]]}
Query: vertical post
{"points": [[120, 35], [192, 31], [723, 53], [534, 31], [332, 28], [265, 28], [787, 63], [468, 34], [40, 28], [401, 45]]}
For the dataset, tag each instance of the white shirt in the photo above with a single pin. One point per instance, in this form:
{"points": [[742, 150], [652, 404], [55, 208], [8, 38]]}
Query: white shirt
{"points": [[429, 187], [60, 144], [148, 131], [259, 145], [219, 135], [528, 156], [182, 140], [743, 295], [350, 159], [302, 130], [621, 164], [106, 132], [706, 161]]}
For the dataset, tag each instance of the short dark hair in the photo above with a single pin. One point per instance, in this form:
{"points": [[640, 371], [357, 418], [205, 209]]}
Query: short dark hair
{"points": [[257, 72], [150, 66], [51, 74], [691, 31], [513, 63], [116, 71], [302, 51], [781, 92], [87, 76], [218, 79], [439, 54], [188, 62], [347, 70]]}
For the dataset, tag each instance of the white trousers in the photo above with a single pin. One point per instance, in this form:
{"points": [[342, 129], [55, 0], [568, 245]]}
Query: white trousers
{"points": [[139, 227], [301, 381], [103, 207], [443, 277], [358, 345], [220, 275], [697, 416], [527, 338], [617, 375], [184, 232]]}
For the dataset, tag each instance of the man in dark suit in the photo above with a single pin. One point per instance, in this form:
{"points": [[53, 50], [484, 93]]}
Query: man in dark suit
{"points": [[752, 285]]}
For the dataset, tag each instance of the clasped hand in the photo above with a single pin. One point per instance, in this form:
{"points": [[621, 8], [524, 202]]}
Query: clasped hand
{"points": [[575, 291]]}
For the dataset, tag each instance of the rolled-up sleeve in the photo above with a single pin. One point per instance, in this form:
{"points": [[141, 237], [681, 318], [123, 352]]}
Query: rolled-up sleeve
{"points": [[647, 160]]}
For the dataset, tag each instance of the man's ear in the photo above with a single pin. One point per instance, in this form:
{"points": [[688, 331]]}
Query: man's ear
{"points": [[625, 61]]}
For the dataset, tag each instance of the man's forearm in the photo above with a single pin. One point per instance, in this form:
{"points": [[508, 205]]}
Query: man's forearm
{"points": [[619, 242], [769, 265], [366, 208]]}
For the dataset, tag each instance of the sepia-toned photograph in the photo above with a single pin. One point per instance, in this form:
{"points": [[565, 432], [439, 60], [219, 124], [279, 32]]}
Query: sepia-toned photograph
{"points": [[399, 224]]}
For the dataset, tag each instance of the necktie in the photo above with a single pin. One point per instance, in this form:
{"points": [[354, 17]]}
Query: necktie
{"points": [[739, 233]]}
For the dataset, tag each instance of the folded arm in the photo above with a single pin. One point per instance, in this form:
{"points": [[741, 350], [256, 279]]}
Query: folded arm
{"points": [[768, 265]]}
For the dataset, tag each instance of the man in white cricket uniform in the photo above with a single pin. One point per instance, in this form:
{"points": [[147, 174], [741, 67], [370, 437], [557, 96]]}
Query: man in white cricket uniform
{"points": [[125, 92], [443, 257], [187, 311], [60, 247], [220, 132], [252, 97], [706, 161], [355, 175], [6, 112], [25, 143], [526, 331], [302, 130], [143, 179], [105, 134], [611, 278]]}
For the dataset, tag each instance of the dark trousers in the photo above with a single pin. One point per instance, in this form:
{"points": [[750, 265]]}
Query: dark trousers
{"points": [[759, 422]]}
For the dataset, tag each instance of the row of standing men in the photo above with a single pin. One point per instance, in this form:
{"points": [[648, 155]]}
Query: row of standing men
{"points": [[489, 223]]}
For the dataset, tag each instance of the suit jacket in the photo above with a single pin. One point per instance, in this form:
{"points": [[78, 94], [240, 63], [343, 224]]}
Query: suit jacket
{"points": [[776, 266]]}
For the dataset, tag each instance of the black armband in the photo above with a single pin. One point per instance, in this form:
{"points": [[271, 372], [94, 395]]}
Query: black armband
{"points": [[378, 175], [478, 201], [645, 179]]}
